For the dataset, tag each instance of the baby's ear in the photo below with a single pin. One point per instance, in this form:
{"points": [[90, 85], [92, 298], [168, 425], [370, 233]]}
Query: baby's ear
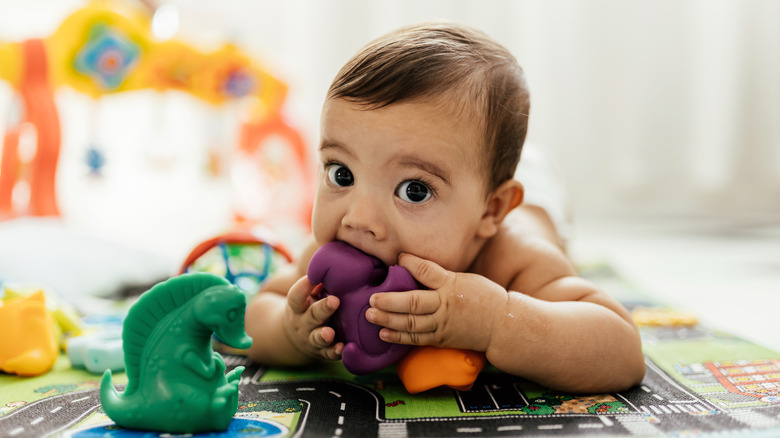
{"points": [[501, 201]]}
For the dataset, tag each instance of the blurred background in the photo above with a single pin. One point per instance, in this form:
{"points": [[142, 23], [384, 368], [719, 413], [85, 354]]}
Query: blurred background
{"points": [[663, 117]]}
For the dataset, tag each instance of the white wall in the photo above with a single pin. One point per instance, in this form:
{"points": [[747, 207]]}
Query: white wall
{"points": [[654, 108]]}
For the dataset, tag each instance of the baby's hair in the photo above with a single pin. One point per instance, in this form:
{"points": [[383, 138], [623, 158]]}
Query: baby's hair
{"points": [[443, 60]]}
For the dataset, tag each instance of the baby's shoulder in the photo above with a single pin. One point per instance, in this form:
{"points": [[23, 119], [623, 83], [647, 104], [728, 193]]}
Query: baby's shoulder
{"points": [[512, 254]]}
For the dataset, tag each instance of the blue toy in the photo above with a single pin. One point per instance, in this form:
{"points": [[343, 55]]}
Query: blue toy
{"points": [[97, 352]]}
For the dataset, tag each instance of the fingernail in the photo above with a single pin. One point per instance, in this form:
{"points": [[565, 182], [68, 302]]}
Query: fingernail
{"points": [[372, 300], [370, 315]]}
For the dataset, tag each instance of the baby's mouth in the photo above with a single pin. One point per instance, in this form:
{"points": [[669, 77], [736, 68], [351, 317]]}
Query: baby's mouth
{"points": [[371, 253]]}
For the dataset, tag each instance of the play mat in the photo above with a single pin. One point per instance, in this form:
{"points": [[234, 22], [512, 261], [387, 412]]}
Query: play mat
{"points": [[699, 382]]}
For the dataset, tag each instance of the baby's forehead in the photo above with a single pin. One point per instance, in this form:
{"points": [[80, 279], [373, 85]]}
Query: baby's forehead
{"points": [[465, 111], [445, 123]]}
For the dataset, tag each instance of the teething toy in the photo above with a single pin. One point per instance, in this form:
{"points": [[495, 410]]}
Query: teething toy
{"points": [[353, 276]]}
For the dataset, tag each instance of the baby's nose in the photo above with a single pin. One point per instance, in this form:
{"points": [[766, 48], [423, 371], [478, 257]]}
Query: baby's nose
{"points": [[365, 216]]}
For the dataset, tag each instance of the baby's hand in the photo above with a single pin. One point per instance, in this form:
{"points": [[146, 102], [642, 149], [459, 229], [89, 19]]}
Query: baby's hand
{"points": [[304, 321], [457, 312]]}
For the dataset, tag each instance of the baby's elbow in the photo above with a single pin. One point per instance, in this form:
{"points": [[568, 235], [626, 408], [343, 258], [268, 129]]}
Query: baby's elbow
{"points": [[633, 369], [630, 377], [255, 354], [637, 358], [627, 371], [638, 366], [639, 375], [633, 374]]}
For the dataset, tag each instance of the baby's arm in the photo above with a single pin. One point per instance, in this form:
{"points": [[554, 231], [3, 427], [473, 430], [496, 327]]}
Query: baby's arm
{"points": [[286, 320], [571, 335], [561, 332]]}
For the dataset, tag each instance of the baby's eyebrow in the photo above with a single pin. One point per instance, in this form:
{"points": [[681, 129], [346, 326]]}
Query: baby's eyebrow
{"points": [[427, 166], [325, 145]]}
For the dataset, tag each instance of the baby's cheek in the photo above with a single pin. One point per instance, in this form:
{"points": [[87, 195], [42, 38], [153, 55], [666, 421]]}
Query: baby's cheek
{"points": [[321, 232]]}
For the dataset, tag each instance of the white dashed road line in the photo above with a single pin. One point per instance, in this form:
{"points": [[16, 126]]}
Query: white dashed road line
{"points": [[511, 427], [591, 426], [550, 426]]}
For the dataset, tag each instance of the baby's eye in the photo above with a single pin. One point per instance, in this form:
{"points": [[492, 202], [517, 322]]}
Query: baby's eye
{"points": [[339, 175], [414, 191]]}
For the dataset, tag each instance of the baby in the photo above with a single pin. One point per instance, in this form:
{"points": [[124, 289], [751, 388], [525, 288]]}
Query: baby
{"points": [[421, 133]]}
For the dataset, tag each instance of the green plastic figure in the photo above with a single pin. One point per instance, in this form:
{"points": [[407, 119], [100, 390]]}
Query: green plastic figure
{"points": [[176, 382]]}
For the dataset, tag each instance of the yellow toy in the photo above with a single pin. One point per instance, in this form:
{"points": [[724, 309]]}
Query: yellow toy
{"points": [[662, 317], [67, 322], [28, 346]]}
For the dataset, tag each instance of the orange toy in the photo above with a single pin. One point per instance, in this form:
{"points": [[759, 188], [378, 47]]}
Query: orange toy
{"points": [[293, 170], [28, 346], [39, 112], [427, 367]]}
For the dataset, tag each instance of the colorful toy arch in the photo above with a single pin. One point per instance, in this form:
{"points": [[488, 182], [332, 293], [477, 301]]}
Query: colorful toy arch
{"points": [[107, 48]]}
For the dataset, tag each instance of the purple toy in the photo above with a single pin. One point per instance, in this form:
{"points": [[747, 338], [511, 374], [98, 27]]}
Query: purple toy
{"points": [[354, 276]]}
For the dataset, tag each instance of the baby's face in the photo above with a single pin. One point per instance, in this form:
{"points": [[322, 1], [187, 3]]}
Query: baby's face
{"points": [[404, 178]]}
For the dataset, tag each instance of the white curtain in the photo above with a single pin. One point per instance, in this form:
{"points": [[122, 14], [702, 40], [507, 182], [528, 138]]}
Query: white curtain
{"points": [[653, 108]]}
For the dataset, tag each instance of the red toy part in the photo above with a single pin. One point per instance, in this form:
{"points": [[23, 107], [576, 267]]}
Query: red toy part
{"points": [[231, 237], [28, 346], [40, 113], [427, 367]]}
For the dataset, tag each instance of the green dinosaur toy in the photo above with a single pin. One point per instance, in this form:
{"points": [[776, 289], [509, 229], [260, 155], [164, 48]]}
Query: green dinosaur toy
{"points": [[176, 382]]}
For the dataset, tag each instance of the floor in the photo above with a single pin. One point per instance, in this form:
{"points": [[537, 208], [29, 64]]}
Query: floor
{"points": [[728, 274]]}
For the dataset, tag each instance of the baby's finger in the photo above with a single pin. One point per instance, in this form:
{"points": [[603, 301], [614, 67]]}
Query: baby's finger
{"points": [[425, 271], [322, 337], [334, 352], [322, 310], [418, 302], [405, 322], [298, 296], [406, 338]]}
